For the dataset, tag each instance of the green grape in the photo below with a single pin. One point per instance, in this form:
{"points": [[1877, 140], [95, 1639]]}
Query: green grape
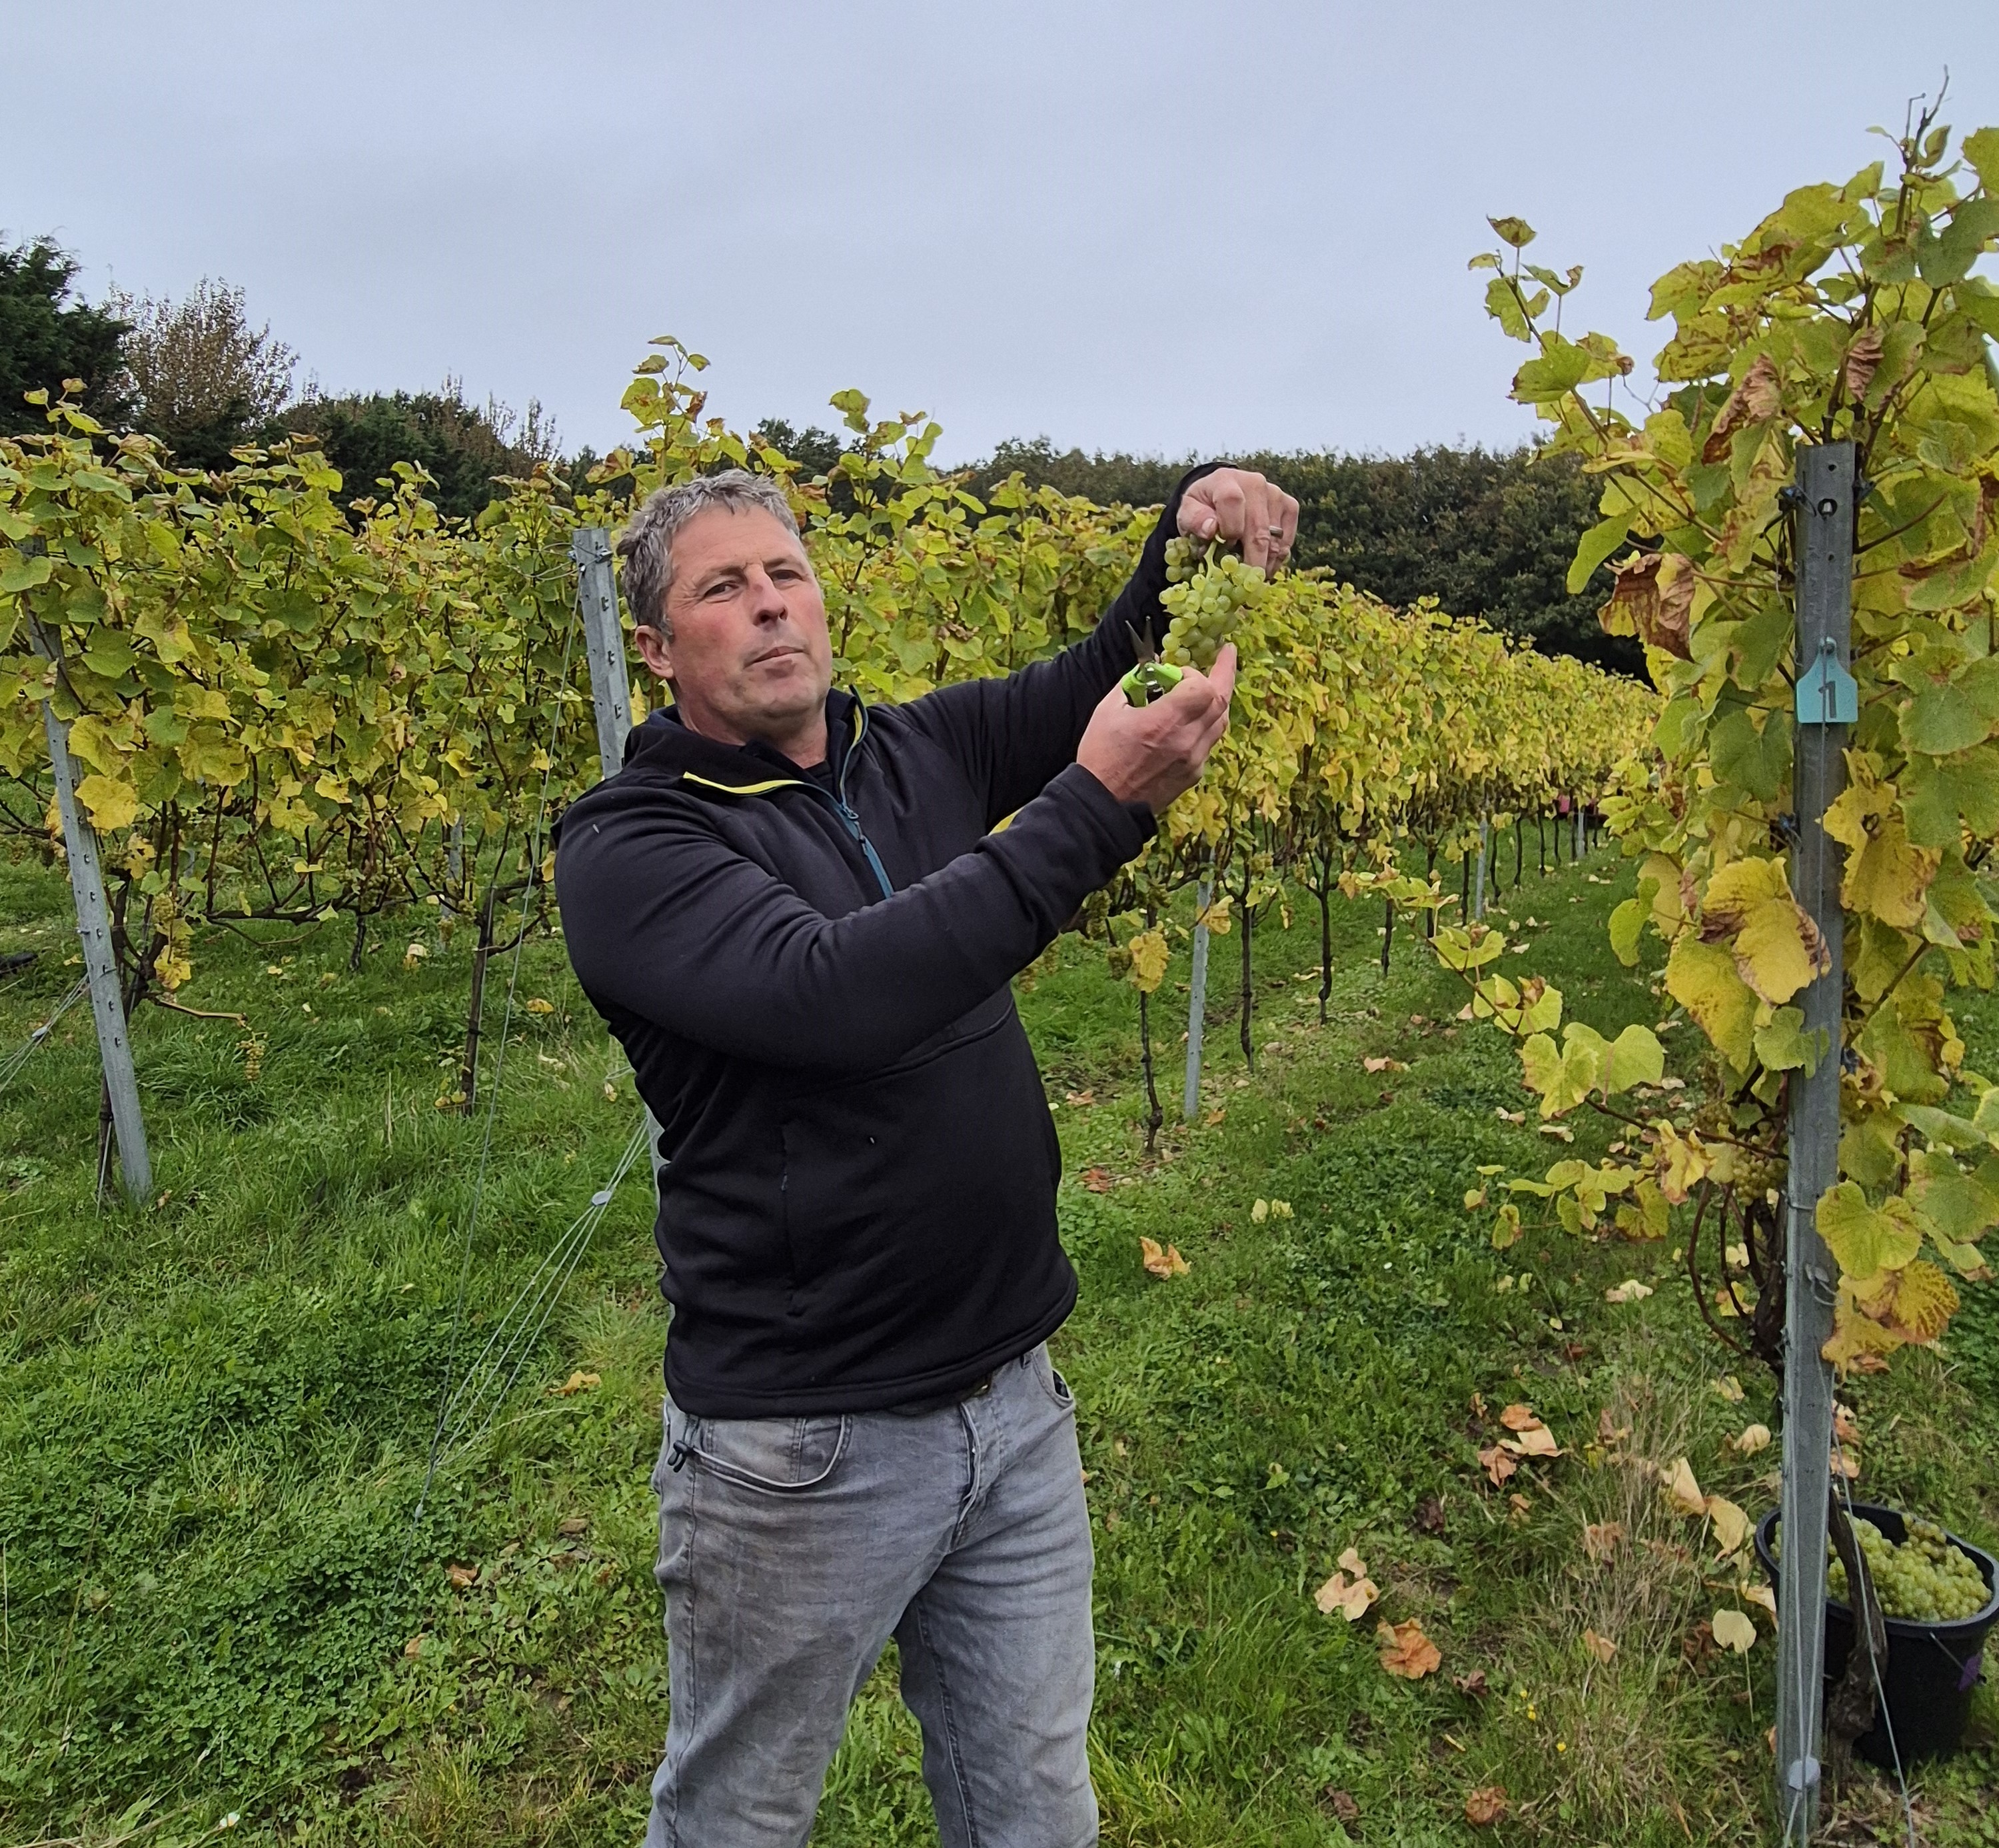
{"points": [[1208, 589], [1926, 1578]]}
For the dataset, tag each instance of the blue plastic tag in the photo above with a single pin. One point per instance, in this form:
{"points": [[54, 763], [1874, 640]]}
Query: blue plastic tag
{"points": [[1827, 694]]}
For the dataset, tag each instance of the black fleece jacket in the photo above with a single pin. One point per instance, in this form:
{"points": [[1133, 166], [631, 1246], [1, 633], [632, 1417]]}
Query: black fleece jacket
{"points": [[812, 986]]}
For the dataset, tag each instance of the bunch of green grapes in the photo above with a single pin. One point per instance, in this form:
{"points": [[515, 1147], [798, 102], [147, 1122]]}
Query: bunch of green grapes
{"points": [[1925, 1579], [1208, 589]]}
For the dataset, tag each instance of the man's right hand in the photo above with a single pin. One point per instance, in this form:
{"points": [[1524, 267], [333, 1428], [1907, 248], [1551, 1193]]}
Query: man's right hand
{"points": [[1151, 753]]}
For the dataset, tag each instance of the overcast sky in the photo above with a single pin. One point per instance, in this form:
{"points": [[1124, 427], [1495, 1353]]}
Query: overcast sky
{"points": [[1165, 228]]}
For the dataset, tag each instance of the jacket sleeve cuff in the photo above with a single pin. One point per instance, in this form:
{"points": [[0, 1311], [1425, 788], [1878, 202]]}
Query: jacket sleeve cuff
{"points": [[1123, 828]]}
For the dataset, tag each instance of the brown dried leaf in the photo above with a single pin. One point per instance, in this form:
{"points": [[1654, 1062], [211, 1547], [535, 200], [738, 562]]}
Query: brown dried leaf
{"points": [[1863, 357], [578, 1381], [1519, 1418], [1096, 1180], [1473, 1684], [464, 1577], [1406, 1651], [1485, 1805], [1601, 1647], [1499, 1464], [572, 1525], [1755, 400], [1681, 1491], [1167, 1263], [1601, 1539], [1341, 1804], [1351, 1598], [1384, 1065], [1429, 1515]]}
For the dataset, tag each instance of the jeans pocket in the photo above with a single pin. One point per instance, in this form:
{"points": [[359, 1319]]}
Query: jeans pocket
{"points": [[775, 1456], [1052, 1382]]}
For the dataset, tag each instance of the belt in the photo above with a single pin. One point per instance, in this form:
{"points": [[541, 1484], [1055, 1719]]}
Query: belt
{"points": [[919, 1407]]}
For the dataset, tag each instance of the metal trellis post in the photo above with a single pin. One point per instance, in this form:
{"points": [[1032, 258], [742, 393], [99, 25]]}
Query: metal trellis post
{"points": [[1478, 874], [603, 642], [1197, 1004], [1826, 706], [93, 927]]}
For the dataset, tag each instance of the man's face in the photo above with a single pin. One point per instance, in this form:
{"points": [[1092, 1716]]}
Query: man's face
{"points": [[749, 657]]}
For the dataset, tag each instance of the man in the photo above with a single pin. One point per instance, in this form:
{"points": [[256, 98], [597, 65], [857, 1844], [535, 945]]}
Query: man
{"points": [[795, 916]]}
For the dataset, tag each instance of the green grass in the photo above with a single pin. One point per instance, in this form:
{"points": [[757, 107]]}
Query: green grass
{"points": [[216, 1413]]}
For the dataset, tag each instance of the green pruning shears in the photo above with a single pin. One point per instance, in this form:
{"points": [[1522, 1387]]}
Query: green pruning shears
{"points": [[1153, 678]]}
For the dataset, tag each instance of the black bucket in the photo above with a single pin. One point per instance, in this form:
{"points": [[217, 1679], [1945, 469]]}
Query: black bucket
{"points": [[1931, 1668]]}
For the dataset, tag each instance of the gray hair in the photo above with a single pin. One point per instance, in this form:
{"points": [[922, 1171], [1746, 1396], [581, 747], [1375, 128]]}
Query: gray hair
{"points": [[646, 544]]}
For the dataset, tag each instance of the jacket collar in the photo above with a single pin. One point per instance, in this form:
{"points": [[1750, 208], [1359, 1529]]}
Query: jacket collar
{"points": [[665, 743]]}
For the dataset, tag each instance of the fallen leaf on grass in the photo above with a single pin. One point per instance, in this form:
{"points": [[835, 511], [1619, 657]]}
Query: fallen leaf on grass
{"points": [[1499, 1464], [414, 1647], [1731, 1524], [1429, 1515], [1609, 1431], [1681, 1489], [1602, 1538], [1350, 1598], [1730, 1388], [578, 1381], [1510, 1116], [1754, 1438], [1406, 1651], [1167, 1262], [1214, 1117], [1601, 1647], [1762, 1597], [464, 1577], [1384, 1065], [1735, 1629], [1473, 1684], [1519, 1418], [1096, 1180], [1079, 1100], [1341, 1804], [1630, 1289], [1845, 1464], [571, 1525], [1520, 1505], [1485, 1805], [537, 1005], [1698, 1644], [1350, 1561], [1560, 1132]]}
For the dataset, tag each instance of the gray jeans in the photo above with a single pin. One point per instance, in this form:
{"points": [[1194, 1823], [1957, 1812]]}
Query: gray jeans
{"points": [[792, 1549]]}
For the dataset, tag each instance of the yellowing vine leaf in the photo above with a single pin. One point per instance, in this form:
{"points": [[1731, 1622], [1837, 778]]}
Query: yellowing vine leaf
{"points": [[1777, 947], [1149, 954], [1866, 1239], [110, 804], [1703, 979], [1888, 878]]}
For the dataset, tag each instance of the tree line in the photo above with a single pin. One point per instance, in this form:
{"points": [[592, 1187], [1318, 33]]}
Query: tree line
{"points": [[1487, 533]]}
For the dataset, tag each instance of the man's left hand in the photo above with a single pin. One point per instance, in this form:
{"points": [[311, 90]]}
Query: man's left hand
{"points": [[1242, 508]]}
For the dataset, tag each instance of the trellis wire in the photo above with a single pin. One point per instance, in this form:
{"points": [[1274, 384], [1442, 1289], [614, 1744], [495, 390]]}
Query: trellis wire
{"points": [[19, 1057]]}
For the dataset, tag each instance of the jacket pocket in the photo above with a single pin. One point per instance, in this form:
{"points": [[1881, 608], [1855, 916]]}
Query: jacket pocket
{"points": [[774, 1456]]}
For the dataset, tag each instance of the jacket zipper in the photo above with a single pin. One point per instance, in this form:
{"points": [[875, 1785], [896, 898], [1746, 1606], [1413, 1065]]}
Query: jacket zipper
{"points": [[846, 812]]}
